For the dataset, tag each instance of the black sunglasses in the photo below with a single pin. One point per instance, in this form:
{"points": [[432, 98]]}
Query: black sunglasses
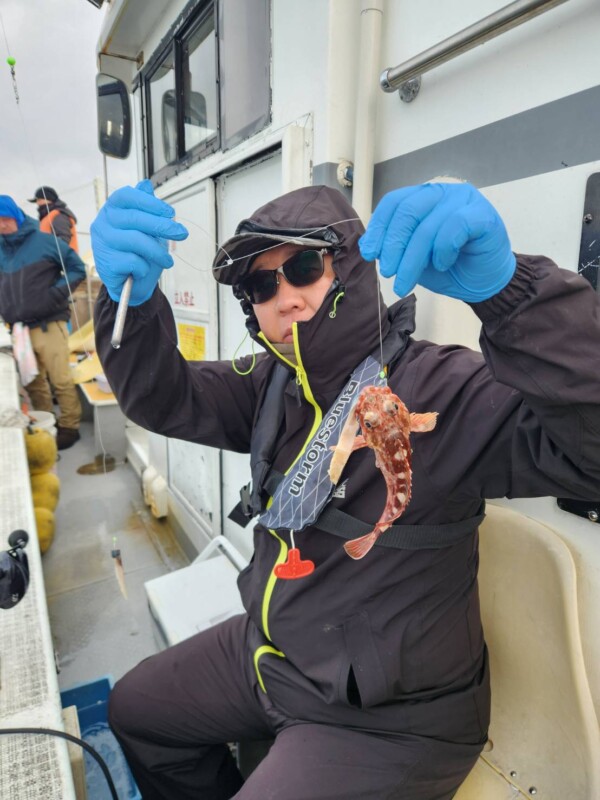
{"points": [[302, 269]]}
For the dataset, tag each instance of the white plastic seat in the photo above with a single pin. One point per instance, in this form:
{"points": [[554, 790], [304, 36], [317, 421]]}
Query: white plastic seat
{"points": [[544, 734]]}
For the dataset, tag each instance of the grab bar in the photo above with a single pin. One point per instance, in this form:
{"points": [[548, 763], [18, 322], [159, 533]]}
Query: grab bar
{"points": [[487, 28]]}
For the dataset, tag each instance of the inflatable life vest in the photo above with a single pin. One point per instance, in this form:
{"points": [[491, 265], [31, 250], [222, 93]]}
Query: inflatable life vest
{"points": [[46, 227]]}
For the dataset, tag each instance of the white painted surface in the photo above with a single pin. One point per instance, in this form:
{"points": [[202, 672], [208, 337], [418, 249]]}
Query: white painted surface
{"points": [[30, 766], [549, 57]]}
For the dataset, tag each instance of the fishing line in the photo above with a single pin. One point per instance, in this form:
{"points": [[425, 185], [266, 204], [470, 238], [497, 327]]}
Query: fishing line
{"points": [[254, 253], [10, 61]]}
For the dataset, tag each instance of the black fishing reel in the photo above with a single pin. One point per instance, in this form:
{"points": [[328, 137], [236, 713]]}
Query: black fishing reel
{"points": [[14, 570]]}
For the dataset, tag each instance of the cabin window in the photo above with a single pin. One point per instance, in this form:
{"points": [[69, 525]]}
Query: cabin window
{"points": [[245, 48], [208, 84], [162, 115], [199, 74]]}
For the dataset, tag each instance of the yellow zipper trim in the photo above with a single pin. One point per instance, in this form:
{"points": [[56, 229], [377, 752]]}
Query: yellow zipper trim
{"points": [[275, 351], [258, 655], [283, 551], [302, 380]]}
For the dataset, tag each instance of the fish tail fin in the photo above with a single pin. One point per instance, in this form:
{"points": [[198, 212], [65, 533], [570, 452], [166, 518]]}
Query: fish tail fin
{"points": [[420, 423], [358, 548]]}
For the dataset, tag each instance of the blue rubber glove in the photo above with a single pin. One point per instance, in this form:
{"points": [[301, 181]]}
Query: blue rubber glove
{"points": [[129, 238], [444, 236]]}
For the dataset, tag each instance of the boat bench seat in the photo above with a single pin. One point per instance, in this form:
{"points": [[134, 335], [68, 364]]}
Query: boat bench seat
{"points": [[544, 735]]}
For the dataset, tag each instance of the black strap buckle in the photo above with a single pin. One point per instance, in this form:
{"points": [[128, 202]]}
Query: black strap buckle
{"points": [[243, 512]]}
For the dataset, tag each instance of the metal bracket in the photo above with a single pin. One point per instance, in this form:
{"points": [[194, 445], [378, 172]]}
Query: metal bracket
{"points": [[410, 89], [345, 173], [588, 509]]}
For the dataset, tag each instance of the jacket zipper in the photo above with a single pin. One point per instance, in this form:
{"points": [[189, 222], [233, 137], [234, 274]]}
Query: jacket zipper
{"points": [[301, 381]]}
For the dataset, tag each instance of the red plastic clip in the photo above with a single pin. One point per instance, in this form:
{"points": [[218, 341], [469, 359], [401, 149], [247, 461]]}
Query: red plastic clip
{"points": [[294, 567]]}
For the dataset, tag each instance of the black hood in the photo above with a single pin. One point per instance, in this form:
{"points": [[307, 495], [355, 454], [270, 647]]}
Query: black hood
{"points": [[333, 342]]}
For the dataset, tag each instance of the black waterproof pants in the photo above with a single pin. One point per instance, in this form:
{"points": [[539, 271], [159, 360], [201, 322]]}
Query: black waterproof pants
{"points": [[175, 711]]}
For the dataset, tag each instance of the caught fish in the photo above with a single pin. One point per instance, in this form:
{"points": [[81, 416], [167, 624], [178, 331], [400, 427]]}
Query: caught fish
{"points": [[385, 425]]}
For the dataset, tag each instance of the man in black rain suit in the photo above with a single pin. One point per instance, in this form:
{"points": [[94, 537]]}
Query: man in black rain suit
{"points": [[370, 675]]}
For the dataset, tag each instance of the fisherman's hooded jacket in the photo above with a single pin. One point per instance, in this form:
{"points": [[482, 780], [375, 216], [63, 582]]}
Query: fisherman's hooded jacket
{"points": [[392, 642], [33, 287]]}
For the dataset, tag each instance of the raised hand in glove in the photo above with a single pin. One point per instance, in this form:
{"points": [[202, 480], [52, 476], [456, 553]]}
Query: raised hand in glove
{"points": [[444, 236], [129, 238]]}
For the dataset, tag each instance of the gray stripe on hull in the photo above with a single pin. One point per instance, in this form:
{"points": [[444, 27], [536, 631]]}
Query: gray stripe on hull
{"points": [[563, 133]]}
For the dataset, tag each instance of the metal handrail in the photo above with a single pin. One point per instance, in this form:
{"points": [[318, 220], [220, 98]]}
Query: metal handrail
{"points": [[487, 28]]}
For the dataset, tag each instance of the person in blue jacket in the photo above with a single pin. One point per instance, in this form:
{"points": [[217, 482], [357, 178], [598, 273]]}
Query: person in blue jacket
{"points": [[38, 273]]}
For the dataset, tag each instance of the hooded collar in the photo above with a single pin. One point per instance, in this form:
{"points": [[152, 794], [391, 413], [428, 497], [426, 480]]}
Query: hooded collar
{"points": [[353, 317], [27, 227]]}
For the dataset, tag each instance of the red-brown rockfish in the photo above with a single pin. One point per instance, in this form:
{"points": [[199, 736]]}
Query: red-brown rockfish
{"points": [[385, 425]]}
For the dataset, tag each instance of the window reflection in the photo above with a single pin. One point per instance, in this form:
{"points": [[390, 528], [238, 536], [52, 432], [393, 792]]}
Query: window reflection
{"points": [[200, 85], [163, 113]]}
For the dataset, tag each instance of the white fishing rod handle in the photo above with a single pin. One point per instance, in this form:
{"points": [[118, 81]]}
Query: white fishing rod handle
{"points": [[117, 334]]}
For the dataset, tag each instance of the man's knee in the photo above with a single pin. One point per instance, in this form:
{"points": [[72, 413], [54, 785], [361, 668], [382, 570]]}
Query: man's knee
{"points": [[123, 705]]}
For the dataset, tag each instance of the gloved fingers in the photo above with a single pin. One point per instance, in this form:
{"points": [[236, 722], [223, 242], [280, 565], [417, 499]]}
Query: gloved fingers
{"points": [[370, 243], [129, 219], [417, 255], [130, 265], [148, 248], [145, 186], [406, 220], [467, 224], [140, 200], [177, 231], [444, 283]]}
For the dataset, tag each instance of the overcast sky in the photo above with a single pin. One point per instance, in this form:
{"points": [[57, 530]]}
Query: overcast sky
{"points": [[50, 138]]}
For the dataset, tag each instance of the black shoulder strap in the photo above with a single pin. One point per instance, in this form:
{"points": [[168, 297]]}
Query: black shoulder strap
{"points": [[262, 443]]}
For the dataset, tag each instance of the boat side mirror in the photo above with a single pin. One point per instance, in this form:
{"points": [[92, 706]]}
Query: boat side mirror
{"points": [[114, 116]]}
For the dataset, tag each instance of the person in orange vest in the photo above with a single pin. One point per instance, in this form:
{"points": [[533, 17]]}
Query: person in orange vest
{"points": [[55, 216]]}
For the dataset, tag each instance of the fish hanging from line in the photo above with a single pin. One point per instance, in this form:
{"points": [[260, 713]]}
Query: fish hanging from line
{"points": [[386, 425]]}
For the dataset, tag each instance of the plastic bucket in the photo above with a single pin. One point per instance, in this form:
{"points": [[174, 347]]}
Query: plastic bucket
{"points": [[91, 700], [44, 420]]}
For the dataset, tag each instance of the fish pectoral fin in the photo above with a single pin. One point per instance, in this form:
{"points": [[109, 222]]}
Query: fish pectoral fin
{"points": [[359, 442], [345, 446], [420, 423]]}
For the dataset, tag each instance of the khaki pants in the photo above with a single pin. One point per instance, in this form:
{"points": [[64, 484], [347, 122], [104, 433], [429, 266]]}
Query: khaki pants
{"points": [[52, 354]]}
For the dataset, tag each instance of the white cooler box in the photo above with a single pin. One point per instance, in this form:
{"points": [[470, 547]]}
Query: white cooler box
{"points": [[189, 600]]}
